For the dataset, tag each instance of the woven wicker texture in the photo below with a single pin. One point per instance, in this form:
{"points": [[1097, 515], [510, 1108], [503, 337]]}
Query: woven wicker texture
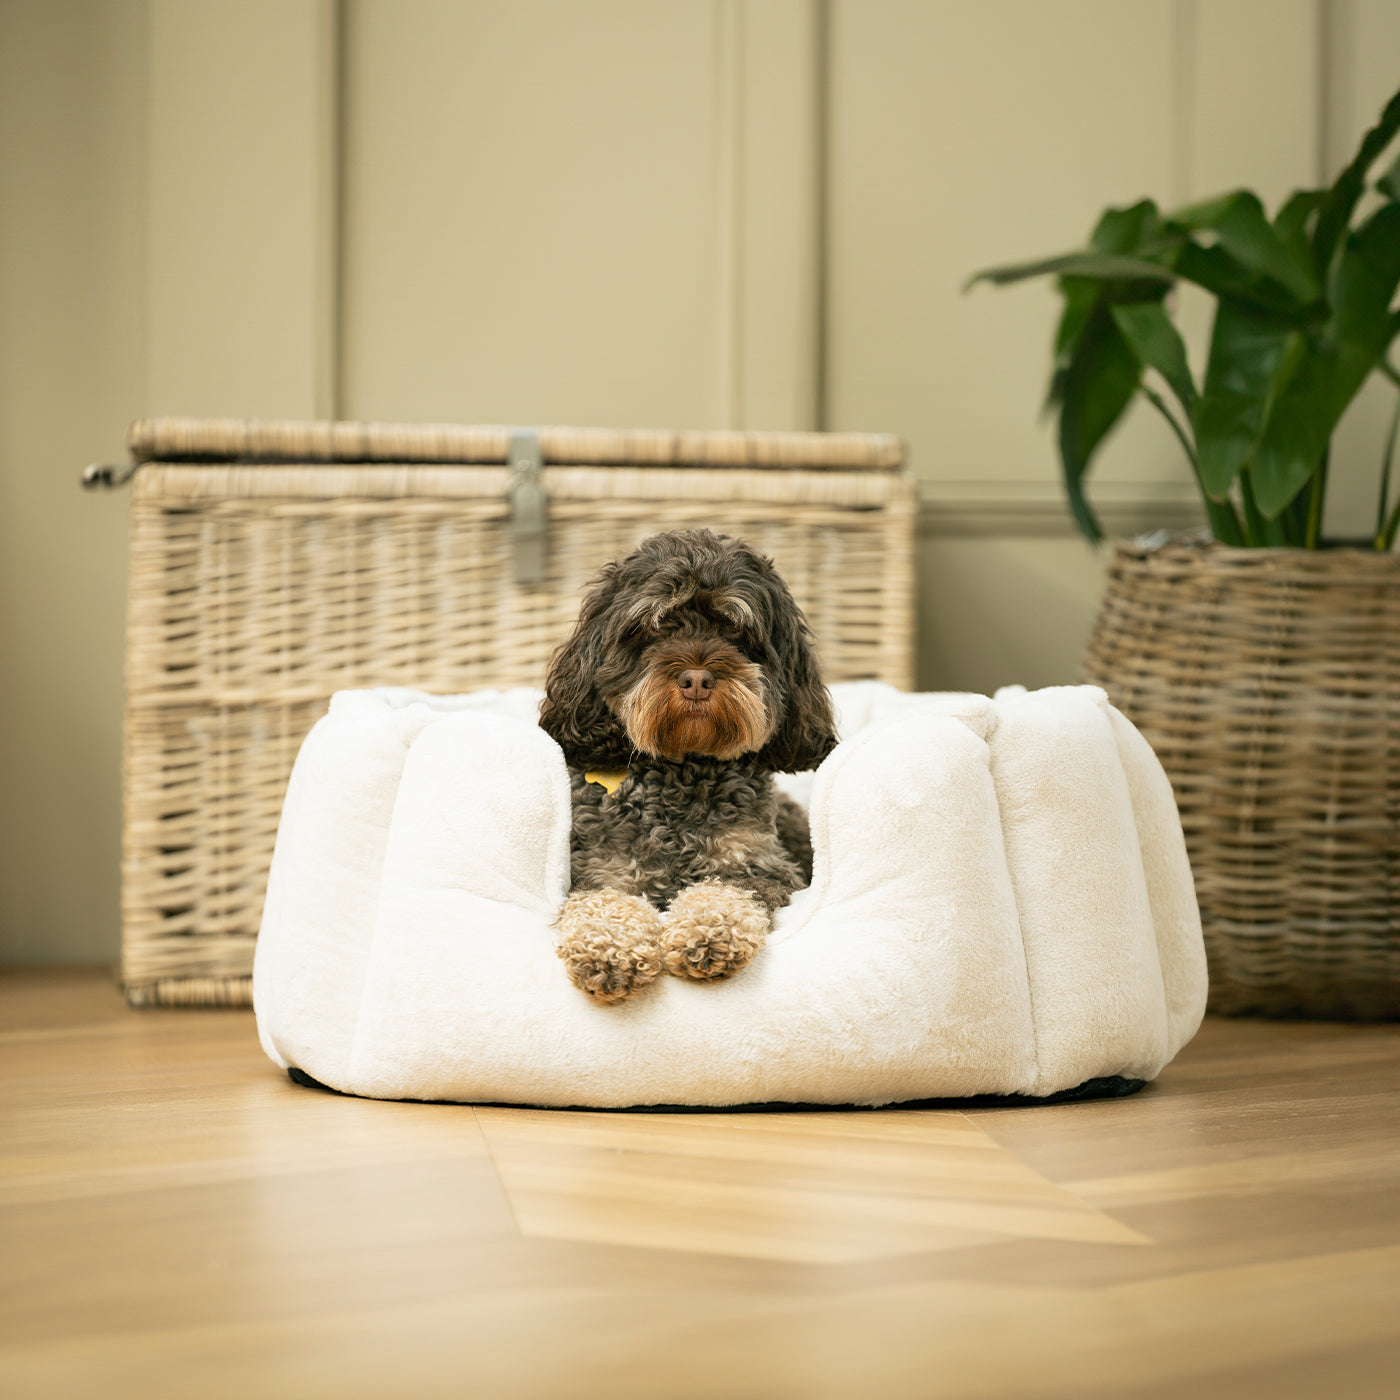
{"points": [[256, 440], [258, 590], [1268, 681]]}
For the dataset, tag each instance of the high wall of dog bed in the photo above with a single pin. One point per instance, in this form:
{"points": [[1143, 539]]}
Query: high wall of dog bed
{"points": [[1001, 904]]}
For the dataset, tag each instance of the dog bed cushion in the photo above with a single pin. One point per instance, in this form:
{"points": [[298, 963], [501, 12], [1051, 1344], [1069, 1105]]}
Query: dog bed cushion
{"points": [[1000, 904]]}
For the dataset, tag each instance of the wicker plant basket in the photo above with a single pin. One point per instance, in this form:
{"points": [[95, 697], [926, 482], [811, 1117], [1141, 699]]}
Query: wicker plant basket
{"points": [[274, 563], [1269, 683]]}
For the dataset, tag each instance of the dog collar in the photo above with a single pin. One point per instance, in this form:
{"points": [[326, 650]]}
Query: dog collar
{"points": [[609, 778]]}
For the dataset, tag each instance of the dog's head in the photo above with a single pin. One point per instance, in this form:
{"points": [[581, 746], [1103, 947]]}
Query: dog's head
{"points": [[692, 644]]}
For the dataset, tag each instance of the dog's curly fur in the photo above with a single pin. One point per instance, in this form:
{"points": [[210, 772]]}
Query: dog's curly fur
{"points": [[696, 826], [611, 943]]}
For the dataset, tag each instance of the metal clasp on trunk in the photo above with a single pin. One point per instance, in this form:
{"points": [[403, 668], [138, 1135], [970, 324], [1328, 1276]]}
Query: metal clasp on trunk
{"points": [[529, 505], [100, 474]]}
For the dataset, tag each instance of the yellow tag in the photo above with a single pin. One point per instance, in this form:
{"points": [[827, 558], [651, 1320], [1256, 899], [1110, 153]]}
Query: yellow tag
{"points": [[610, 778]]}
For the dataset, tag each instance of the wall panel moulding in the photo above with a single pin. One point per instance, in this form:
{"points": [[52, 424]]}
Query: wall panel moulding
{"points": [[1038, 510]]}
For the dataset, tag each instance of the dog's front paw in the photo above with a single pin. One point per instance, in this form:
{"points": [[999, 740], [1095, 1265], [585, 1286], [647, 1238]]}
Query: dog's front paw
{"points": [[610, 943], [714, 930]]}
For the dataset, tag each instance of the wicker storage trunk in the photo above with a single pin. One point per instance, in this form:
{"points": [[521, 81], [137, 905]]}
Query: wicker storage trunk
{"points": [[275, 563], [1268, 681]]}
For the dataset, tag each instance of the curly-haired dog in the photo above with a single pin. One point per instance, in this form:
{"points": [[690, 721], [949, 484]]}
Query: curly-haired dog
{"points": [[688, 681]]}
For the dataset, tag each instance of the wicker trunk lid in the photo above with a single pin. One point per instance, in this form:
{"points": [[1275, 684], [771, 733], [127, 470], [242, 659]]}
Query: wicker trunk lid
{"points": [[275, 563]]}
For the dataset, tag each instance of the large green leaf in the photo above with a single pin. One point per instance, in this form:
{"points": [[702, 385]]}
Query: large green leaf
{"points": [[1389, 183], [1081, 298], [1224, 276], [1365, 279], [1098, 385], [1156, 342], [1125, 230], [1338, 361], [1244, 232], [1293, 222], [1118, 232], [1347, 190], [1098, 265], [1246, 350], [1081, 295]]}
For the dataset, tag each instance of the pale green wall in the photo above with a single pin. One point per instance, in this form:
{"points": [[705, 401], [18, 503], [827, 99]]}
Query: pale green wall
{"points": [[72, 370], [613, 211]]}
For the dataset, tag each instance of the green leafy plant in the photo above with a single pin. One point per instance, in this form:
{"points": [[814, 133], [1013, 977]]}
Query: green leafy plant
{"points": [[1303, 319]]}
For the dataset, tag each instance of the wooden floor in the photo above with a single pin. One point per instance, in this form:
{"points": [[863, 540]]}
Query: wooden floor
{"points": [[176, 1219]]}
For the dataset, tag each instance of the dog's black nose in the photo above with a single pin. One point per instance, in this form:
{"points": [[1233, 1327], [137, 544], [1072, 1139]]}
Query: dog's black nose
{"points": [[696, 685]]}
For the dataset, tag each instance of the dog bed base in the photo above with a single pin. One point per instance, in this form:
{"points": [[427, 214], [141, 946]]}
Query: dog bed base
{"points": [[1111, 1086]]}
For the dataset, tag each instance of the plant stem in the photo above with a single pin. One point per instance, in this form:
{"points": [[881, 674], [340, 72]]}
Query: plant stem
{"points": [[1224, 523], [1386, 542], [1318, 490], [1295, 519], [1387, 461], [1258, 530]]}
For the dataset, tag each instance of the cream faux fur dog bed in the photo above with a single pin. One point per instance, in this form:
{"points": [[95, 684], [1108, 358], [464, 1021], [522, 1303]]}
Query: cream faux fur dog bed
{"points": [[1001, 903]]}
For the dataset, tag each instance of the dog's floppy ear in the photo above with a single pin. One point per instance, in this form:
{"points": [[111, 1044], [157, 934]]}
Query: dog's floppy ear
{"points": [[572, 713], [806, 730]]}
